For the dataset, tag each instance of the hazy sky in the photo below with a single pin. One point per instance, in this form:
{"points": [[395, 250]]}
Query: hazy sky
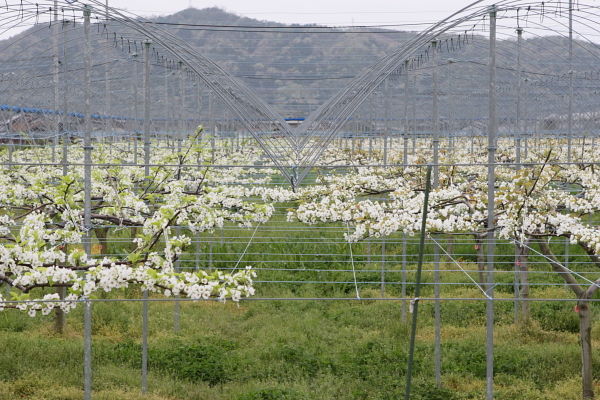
{"points": [[326, 12]]}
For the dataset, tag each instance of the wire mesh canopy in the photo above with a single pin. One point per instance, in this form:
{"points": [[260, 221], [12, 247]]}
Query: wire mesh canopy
{"points": [[546, 82], [38, 66], [533, 76]]}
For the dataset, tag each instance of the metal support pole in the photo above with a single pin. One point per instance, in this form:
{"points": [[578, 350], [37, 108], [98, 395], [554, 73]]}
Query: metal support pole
{"points": [[199, 119], [179, 146], [437, 313], [518, 163], [570, 127], [107, 81], [145, 343], [525, 124], [210, 252], [147, 106], [383, 266], [65, 118], [87, 140], [166, 100], [371, 130], [450, 104], [386, 125], [436, 250], [406, 126], [199, 102], [197, 251], [60, 316], [11, 100], [516, 284], [414, 115], [492, 132], [55, 99], [211, 107], [181, 104], [415, 302], [87, 349], [518, 133], [405, 162], [136, 114], [570, 72], [436, 116], [87, 188]]}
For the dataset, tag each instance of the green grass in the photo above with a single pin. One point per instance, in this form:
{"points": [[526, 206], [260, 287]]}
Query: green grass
{"points": [[285, 350], [300, 350]]}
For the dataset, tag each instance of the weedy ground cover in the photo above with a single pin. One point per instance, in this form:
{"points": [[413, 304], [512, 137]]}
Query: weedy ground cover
{"points": [[283, 349]]}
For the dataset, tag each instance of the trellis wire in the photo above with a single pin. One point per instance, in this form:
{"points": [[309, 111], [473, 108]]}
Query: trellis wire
{"points": [[363, 120]]}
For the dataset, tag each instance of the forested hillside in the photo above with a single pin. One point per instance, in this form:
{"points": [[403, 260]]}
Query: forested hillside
{"points": [[287, 64], [296, 68]]}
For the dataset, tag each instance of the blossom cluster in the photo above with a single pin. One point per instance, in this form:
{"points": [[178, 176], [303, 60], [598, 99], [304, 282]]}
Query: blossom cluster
{"points": [[42, 230]]}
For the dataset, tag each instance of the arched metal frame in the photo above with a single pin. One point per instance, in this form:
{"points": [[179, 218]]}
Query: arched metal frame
{"points": [[295, 151]]}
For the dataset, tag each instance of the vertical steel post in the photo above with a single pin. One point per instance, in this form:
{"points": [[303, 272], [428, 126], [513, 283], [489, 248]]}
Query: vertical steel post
{"points": [[570, 123], [145, 343], [383, 266], [436, 250], [181, 105], [107, 78], [517, 263], [65, 118], [199, 101], [11, 97], [147, 106], [414, 115], [197, 251], [570, 72], [179, 146], [518, 133], [371, 130], [55, 99], [87, 207], [145, 309], [199, 119], [518, 163], [136, 112], [525, 124], [87, 140], [492, 132], [405, 162], [60, 315], [415, 302], [87, 349], [166, 98], [211, 121], [210, 252], [436, 115], [450, 109], [386, 127], [406, 126]]}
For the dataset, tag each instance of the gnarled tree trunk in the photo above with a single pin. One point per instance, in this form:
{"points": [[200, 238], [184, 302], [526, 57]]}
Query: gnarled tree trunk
{"points": [[585, 323], [481, 276], [523, 258], [60, 318]]}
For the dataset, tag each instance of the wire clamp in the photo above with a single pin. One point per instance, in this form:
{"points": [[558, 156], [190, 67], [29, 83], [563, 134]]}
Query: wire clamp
{"points": [[413, 302]]}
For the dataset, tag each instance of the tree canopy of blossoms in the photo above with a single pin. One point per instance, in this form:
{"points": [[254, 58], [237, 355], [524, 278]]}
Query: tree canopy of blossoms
{"points": [[42, 227]]}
